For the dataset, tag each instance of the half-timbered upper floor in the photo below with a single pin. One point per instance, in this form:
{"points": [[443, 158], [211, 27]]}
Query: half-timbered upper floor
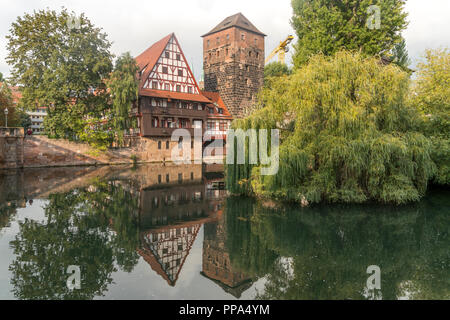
{"points": [[169, 96]]}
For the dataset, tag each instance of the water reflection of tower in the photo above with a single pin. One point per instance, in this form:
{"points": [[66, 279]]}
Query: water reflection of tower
{"points": [[216, 260]]}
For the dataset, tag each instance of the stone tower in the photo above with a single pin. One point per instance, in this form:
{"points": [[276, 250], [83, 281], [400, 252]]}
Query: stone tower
{"points": [[233, 63]]}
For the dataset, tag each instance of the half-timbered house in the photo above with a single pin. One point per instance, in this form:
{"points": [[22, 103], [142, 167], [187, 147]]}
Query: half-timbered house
{"points": [[169, 96]]}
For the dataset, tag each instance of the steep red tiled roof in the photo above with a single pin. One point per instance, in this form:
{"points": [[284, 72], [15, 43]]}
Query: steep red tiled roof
{"points": [[215, 98], [173, 95], [147, 59]]}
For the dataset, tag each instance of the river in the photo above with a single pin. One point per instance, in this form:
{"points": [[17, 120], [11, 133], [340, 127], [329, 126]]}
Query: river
{"points": [[171, 232]]}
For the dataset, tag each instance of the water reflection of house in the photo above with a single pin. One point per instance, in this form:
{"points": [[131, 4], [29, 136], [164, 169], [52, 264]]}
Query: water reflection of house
{"points": [[172, 218], [166, 249]]}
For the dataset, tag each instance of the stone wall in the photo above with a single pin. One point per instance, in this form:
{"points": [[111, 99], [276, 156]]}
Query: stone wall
{"points": [[234, 67], [17, 151], [40, 151], [11, 148]]}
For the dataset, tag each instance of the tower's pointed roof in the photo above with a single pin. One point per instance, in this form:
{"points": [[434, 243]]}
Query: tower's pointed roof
{"points": [[236, 20]]}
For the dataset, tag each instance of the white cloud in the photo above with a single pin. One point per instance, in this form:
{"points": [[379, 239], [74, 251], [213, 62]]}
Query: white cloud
{"points": [[134, 25]]}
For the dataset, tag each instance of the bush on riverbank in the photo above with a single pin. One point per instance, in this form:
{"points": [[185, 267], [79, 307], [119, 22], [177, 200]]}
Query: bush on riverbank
{"points": [[347, 134]]}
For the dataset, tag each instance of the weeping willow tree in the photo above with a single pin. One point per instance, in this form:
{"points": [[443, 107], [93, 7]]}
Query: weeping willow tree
{"points": [[123, 84], [432, 97], [347, 134]]}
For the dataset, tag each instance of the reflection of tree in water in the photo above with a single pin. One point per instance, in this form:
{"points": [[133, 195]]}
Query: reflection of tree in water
{"points": [[92, 228], [329, 248], [7, 211]]}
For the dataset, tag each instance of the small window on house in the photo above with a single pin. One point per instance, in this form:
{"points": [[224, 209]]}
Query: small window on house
{"points": [[217, 40], [256, 41], [207, 43], [180, 72], [192, 176], [167, 145], [167, 178], [228, 37], [159, 178], [243, 36], [180, 143], [167, 87], [159, 145], [210, 110], [189, 89], [180, 177], [218, 53], [220, 110], [154, 85], [178, 56], [178, 88], [165, 70], [167, 54]]}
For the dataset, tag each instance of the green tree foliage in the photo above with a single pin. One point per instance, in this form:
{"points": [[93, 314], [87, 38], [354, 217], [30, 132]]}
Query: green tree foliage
{"points": [[432, 97], [276, 69], [323, 252], [94, 228], [1, 77], [6, 101], [400, 55], [60, 62], [326, 27], [16, 116], [123, 85], [347, 135]]}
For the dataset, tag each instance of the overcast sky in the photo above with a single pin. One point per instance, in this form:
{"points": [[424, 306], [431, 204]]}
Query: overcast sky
{"points": [[134, 25]]}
